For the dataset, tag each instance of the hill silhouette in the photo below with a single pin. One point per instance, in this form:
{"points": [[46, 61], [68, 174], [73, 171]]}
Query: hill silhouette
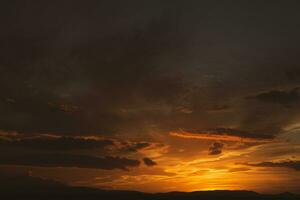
{"points": [[25, 187]]}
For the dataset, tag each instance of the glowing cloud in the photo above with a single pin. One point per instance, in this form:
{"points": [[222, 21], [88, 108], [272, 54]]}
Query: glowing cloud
{"points": [[220, 136]]}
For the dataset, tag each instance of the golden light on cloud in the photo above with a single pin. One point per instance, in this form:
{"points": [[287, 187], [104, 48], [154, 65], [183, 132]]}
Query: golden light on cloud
{"points": [[218, 137]]}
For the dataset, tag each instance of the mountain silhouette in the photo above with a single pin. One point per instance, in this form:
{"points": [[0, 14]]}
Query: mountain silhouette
{"points": [[26, 187]]}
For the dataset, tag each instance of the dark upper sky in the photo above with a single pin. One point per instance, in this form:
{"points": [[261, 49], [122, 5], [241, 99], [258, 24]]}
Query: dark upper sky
{"points": [[126, 69]]}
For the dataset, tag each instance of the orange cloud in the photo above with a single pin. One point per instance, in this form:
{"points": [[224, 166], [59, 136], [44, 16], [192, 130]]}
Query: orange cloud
{"points": [[219, 137]]}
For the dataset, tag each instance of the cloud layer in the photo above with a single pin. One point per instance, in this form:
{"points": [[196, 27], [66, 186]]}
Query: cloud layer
{"points": [[114, 84], [293, 164], [225, 134], [69, 160], [57, 143]]}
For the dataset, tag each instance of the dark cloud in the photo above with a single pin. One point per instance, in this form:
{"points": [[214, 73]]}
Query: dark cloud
{"points": [[50, 143], [293, 164], [57, 143], [137, 69], [219, 108], [134, 147], [66, 86], [215, 148], [149, 162], [293, 74], [123, 68], [224, 134], [241, 133], [69, 160], [25, 184], [264, 113], [282, 97]]}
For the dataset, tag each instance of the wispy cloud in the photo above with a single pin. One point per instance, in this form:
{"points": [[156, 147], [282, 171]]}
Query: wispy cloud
{"points": [[292, 164], [222, 134]]}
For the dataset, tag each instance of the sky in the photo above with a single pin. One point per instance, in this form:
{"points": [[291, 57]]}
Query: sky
{"points": [[152, 96]]}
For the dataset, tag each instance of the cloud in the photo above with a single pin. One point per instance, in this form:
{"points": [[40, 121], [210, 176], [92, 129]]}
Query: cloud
{"points": [[52, 143], [216, 148], [81, 78], [293, 74], [224, 134], [134, 147], [281, 97], [73, 78], [57, 143], [238, 169], [219, 108], [25, 184], [149, 162], [292, 164], [69, 160]]}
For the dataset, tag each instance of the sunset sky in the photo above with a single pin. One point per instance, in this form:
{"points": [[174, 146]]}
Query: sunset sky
{"points": [[152, 95]]}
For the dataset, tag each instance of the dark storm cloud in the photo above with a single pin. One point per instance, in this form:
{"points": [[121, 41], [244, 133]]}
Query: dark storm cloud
{"points": [[102, 67], [219, 108], [149, 162], [69, 160], [293, 164], [50, 143], [134, 147], [270, 112], [26, 184], [74, 72], [282, 97], [293, 74], [57, 143], [241, 133], [215, 148]]}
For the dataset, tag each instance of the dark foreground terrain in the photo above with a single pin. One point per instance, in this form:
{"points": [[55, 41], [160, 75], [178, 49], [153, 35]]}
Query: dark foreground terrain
{"points": [[38, 189]]}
